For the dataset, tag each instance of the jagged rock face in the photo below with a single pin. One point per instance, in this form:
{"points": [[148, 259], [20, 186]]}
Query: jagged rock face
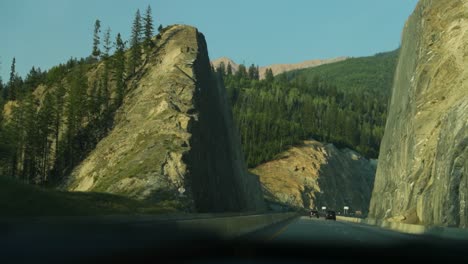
{"points": [[174, 131], [313, 175], [422, 176]]}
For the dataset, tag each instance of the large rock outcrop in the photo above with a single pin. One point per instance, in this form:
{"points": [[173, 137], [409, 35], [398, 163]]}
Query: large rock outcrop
{"points": [[313, 175], [174, 137], [422, 175]]}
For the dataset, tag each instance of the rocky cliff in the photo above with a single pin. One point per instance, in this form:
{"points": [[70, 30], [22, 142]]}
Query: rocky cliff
{"points": [[313, 175], [422, 175], [173, 137]]}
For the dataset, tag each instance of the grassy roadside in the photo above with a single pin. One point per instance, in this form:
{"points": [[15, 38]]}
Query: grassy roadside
{"points": [[21, 200]]}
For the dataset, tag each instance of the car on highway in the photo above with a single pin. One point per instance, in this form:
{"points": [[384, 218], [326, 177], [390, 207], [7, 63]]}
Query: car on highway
{"points": [[314, 213], [331, 215]]}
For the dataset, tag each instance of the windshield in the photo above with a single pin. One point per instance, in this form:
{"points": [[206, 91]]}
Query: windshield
{"points": [[267, 120]]}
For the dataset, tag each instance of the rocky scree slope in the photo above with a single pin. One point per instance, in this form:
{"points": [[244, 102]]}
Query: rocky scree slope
{"points": [[422, 175], [314, 174], [173, 132]]}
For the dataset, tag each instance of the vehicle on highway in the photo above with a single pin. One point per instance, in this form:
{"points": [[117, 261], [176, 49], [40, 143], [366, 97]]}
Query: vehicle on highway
{"points": [[330, 215], [314, 213]]}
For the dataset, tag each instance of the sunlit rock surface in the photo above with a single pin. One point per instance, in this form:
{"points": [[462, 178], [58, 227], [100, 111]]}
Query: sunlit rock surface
{"points": [[314, 175], [173, 137], [422, 175]]}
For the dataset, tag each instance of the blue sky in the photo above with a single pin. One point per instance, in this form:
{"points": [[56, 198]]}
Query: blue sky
{"points": [[46, 32]]}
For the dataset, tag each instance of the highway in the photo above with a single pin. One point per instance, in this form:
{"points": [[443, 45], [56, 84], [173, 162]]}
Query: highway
{"points": [[293, 241], [313, 230], [326, 241]]}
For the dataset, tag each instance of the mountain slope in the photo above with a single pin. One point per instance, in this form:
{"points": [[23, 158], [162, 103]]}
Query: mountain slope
{"points": [[423, 163], [225, 61], [362, 75], [173, 131], [18, 199], [343, 103], [278, 68], [313, 174]]}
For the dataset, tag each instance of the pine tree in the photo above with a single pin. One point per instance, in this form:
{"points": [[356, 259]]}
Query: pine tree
{"points": [[119, 69], [12, 70], [12, 89], [16, 129], [93, 102], [252, 72], [6, 144], [107, 43], [135, 44], [104, 95], [59, 112], [75, 112], [105, 74], [229, 69], [59, 102], [221, 69], [2, 88], [1, 82], [269, 75], [96, 40], [29, 151], [44, 133], [105, 78], [148, 29], [33, 79], [5, 95], [105, 121], [241, 72]]}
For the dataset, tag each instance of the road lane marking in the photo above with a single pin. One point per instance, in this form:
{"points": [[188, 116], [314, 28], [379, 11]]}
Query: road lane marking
{"points": [[278, 233]]}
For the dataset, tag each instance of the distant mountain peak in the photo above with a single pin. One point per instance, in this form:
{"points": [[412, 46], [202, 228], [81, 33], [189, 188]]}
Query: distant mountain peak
{"points": [[224, 60], [279, 68]]}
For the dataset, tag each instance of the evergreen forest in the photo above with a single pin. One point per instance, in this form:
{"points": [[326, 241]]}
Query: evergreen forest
{"points": [[52, 119], [344, 103]]}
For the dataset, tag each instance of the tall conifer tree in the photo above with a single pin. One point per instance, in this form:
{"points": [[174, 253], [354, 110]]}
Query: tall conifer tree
{"points": [[148, 29], [96, 39], [135, 43], [12, 89], [119, 69], [107, 43]]}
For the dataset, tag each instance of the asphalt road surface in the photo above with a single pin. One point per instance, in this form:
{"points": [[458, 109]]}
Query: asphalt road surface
{"points": [[307, 239], [313, 230], [300, 240]]}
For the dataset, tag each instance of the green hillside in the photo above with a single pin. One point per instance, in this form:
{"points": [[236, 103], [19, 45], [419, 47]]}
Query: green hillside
{"points": [[343, 103], [18, 199], [372, 74]]}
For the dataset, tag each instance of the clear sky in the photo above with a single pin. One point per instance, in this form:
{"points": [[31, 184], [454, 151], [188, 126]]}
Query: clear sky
{"points": [[44, 33]]}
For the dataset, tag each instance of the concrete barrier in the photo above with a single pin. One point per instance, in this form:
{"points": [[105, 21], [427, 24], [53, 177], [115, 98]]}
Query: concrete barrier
{"points": [[438, 231], [231, 227]]}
